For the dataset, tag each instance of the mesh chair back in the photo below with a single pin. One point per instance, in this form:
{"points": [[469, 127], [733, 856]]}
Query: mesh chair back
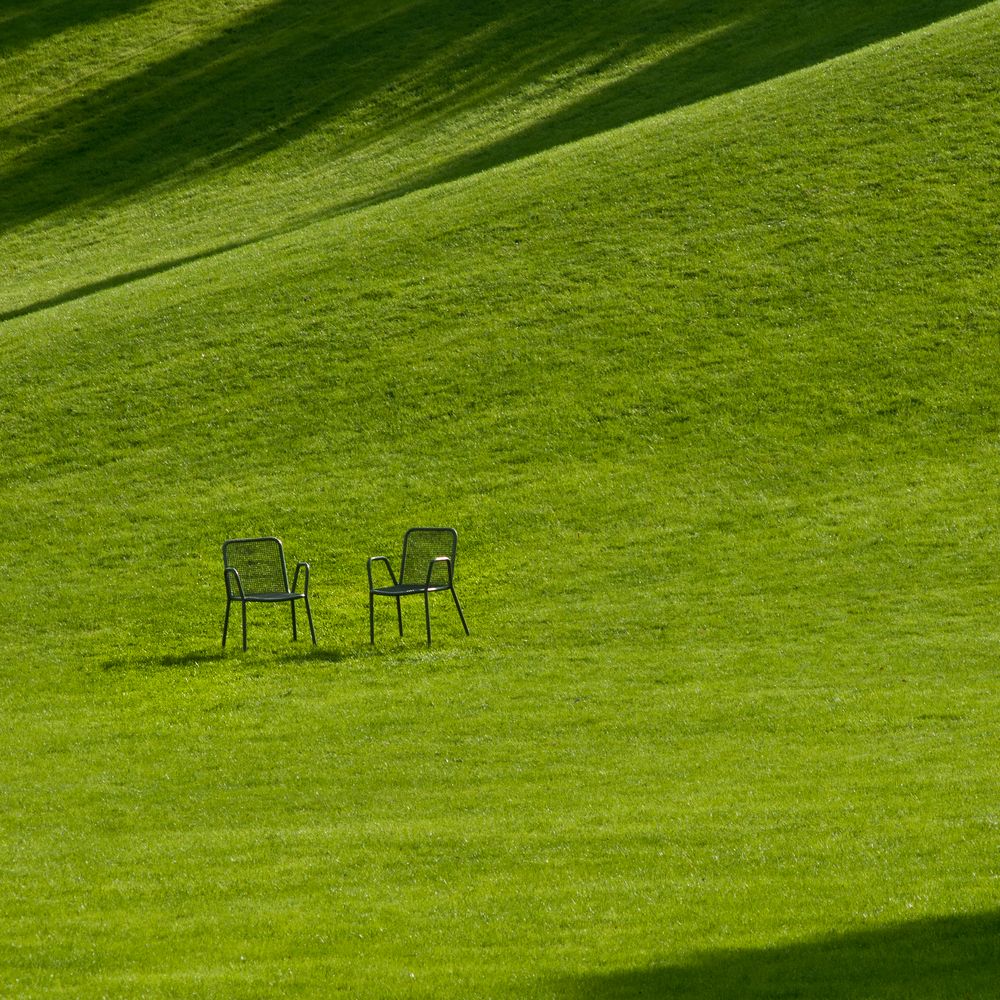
{"points": [[420, 546], [260, 563]]}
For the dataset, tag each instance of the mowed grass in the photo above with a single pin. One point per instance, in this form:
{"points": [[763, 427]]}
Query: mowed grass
{"points": [[707, 387]]}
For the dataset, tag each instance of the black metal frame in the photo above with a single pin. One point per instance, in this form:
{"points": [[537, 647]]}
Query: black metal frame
{"points": [[398, 589], [288, 594]]}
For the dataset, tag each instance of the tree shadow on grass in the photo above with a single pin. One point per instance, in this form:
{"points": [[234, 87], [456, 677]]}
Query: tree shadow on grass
{"points": [[934, 959], [289, 67], [743, 45], [24, 22]]}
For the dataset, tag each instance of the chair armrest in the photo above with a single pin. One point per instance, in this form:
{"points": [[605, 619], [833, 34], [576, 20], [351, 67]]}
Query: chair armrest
{"points": [[295, 578], [239, 582], [433, 563], [388, 566]]}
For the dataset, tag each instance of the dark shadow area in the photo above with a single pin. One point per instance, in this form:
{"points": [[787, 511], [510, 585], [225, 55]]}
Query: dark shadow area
{"points": [[198, 658], [745, 45], [291, 67], [279, 73], [934, 959], [193, 658], [28, 21]]}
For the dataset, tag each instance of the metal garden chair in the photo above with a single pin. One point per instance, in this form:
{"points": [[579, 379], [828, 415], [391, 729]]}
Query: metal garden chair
{"points": [[428, 565], [256, 574]]}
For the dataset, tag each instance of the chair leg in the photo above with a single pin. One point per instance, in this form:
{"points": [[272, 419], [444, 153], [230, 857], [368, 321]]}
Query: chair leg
{"points": [[312, 631], [459, 606], [399, 616], [244, 626], [371, 617], [225, 623], [427, 614], [295, 633]]}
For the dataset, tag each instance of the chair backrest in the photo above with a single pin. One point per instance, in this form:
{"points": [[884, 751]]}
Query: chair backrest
{"points": [[260, 563], [420, 546]]}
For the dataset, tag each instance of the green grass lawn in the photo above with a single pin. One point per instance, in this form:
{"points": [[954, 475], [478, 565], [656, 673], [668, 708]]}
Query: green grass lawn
{"points": [[685, 318]]}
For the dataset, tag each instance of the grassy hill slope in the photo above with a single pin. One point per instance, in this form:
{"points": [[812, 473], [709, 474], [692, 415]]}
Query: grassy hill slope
{"points": [[688, 327]]}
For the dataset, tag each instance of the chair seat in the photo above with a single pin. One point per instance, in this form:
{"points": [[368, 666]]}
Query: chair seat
{"points": [[402, 589], [271, 598]]}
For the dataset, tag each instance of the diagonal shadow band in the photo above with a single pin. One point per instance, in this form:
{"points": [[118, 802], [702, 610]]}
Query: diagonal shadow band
{"points": [[734, 52], [164, 266], [289, 69], [117, 280]]}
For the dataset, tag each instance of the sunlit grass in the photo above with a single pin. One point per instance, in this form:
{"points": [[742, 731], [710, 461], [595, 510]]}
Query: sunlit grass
{"points": [[708, 395]]}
